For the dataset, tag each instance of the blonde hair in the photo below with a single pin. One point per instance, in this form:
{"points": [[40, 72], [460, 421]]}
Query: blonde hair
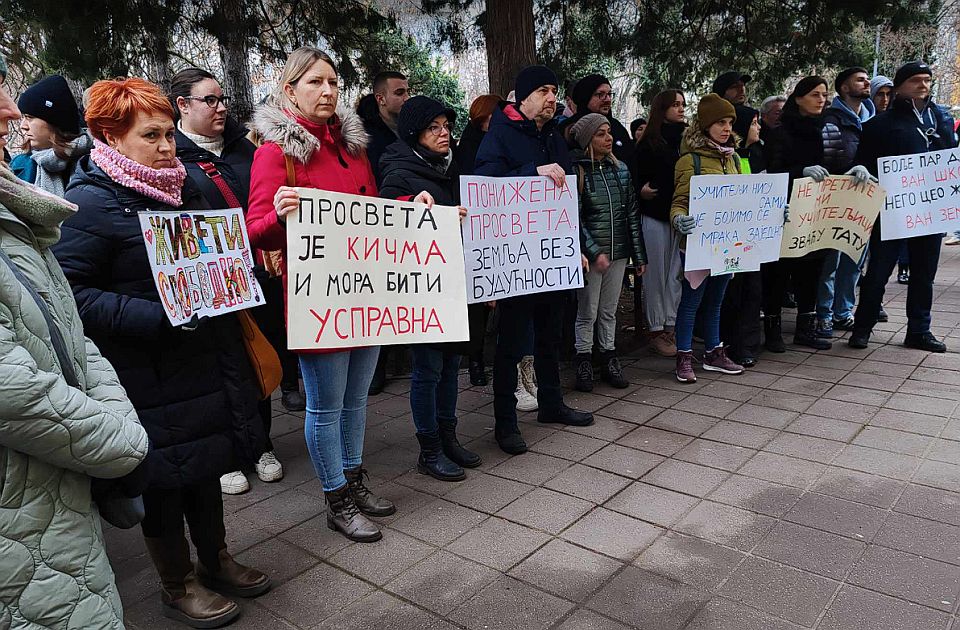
{"points": [[297, 64]]}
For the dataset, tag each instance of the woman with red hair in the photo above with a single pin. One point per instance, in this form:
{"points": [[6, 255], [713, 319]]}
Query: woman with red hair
{"points": [[191, 385]]}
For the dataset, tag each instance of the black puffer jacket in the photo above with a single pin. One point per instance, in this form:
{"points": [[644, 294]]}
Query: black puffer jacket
{"points": [[796, 144], [609, 221], [233, 163], [655, 166], [406, 174], [194, 391]]}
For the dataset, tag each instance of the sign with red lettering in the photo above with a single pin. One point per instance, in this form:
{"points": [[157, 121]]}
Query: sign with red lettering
{"points": [[521, 236], [923, 194], [836, 213], [201, 262], [363, 271]]}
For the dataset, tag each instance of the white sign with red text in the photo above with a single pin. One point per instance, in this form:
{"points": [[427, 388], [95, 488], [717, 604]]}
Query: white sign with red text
{"points": [[923, 194]]}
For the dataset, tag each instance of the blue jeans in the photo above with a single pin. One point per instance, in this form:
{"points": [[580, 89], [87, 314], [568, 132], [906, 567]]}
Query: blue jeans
{"points": [[709, 297], [433, 389], [336, 386], [837, 290]]}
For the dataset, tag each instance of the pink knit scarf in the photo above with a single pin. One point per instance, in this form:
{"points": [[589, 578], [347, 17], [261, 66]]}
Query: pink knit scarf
{"points": [[162, 184]]}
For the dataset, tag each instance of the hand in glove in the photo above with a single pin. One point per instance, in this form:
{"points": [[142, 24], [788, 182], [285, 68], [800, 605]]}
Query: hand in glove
{"points": [[817, 172], [684, 223], [786, 214], [861, 175]]}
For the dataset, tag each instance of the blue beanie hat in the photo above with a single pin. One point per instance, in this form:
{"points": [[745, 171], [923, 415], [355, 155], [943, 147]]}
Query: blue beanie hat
{"points": [[531, 78]]}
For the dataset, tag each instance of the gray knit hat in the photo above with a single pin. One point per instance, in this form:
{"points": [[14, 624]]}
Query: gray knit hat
{"points": [[582, 131]]}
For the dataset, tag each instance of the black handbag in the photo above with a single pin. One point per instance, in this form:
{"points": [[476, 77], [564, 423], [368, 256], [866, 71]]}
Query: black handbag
{"points": [[116, 508]]}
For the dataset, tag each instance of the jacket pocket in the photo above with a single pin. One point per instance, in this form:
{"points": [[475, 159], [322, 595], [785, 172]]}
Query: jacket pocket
{"points": [[13, 482]]}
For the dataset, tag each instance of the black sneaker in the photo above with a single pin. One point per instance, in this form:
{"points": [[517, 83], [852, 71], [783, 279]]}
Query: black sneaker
{"points": [[924, 341], [845, 323], [859, 339], [584, 373], [565, 415]]}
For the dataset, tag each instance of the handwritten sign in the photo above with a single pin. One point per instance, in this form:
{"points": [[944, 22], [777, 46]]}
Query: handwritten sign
{"points": [[201, 261], [521, 236], [739, 221], [364, 271], [833, 214], [923, 193]]}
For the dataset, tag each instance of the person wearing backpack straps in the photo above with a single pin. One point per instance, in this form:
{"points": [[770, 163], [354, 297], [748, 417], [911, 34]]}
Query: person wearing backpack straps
{"points": [[217, 155]]}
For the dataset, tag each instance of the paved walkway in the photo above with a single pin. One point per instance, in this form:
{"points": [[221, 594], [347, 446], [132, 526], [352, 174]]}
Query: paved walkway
{"points": [[819, 490]]}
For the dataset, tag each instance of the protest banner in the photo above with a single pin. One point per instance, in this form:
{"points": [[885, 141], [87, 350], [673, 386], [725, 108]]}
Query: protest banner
{"points": [[363, 271], [201, 261], [739, 221], [521, 236], [923, 193], [833, 214]]}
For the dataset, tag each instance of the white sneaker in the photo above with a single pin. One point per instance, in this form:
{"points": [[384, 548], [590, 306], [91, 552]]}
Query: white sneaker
{"points": [[234, 483], [953, 239], [269, 468], [528, 376], [525, 402]]}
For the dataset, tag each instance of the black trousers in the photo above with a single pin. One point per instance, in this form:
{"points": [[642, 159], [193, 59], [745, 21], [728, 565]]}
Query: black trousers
{"points": [[924, 258], [805, 272], [740, 328], [202, 507], [545, 310], [477, 314], [269, 318]]}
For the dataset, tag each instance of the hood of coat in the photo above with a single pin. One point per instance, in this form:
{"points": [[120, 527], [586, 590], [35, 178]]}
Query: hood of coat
{"points": [[299, 138], [695, 140], [401, 157], [511, 117], [848, 117]]}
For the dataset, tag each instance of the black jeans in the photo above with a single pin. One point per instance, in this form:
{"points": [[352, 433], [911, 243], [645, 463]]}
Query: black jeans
{"points": [[201, 505], [805, 272], [924, 258], [740, 315], [545, 311], [477, 314]]}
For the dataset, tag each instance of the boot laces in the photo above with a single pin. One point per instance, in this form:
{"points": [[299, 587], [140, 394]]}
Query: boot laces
{"points": [[613, 366], [357, 484], [584, 370]]}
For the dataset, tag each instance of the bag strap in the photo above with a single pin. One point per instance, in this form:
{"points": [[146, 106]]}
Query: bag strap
{"points": [[291, 173], [214, 174], [696, 163], [59, 345], [582, 175]]}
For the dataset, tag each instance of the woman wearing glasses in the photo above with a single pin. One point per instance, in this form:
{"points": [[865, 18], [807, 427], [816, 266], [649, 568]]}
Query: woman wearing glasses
{"points": [[422, 160], [217, 155]]}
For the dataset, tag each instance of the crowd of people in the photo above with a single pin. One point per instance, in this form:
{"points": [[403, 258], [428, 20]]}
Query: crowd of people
{"points": [[110, 410]]}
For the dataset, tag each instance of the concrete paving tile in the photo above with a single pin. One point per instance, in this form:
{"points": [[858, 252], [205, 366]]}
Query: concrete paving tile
{"points": [[931, 503], [909, 421], [498, 543], [921, 404], [724, 614], [725, 525], [631, 412], [380, 610], [886, 368], [840, 410], [804, 447], [685, 477], [831, 361], [657, 396], [762, 416], [756, 495], [727, 390], [846, 518], [794, 595], [871, 460], [486, 493], [810, 549], [922, 537], [715, 454], [566, 570], [952, 430], [945, 451], [738, 434], [381, 561], [707, 405], [939, 475], [439, 522], [920, 580], [701, 564], [620, 460], [827, 374], [647, 601], [442, 581], [859, 395], [588, 483], [603, 428], [682, 422], [313, 596], [858, 609], [655, 505], [797, 385], [861, 487], [282, 511], [278, 559], [827, 428], [612, 533], [584, 619], [783, 400], [892, 440], [567, 445], [898, 355], [587, 402], [656, 441], [782, 469], [545, 509], [532, 468], [866, 380], [508, 604]]}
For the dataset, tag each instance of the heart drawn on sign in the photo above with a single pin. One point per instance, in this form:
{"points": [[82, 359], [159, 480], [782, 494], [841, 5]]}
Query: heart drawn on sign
{"points": [[148, 235]]}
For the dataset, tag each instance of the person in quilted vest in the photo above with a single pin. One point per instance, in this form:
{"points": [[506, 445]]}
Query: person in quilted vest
{"points": [[609, 237], [54, 437]]}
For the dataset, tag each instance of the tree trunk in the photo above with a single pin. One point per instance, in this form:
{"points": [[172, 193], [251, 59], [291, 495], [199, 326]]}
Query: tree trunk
{"points": [[511, 42], [230, 29], [157, 56]]}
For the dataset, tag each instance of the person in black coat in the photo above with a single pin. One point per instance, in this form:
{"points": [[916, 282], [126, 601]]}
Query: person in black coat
{"points": [[422, 160], [192, 385], [913, 124], [796, 148], [593, 94]]}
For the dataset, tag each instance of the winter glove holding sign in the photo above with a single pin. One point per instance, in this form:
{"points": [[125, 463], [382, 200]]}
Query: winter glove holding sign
{"points": [[817, 172], [861, 175], [684, 223]]}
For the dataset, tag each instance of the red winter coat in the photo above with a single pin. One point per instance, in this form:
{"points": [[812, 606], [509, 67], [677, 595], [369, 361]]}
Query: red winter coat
{"points": [[327, 157]]}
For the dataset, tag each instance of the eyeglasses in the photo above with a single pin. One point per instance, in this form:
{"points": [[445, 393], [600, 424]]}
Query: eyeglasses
{"points": [[211, 100], [604, 96], [438, 129]]}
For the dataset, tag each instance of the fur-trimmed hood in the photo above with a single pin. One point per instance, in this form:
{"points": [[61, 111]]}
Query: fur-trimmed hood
{"points": [[695, 140], [296, 140]]}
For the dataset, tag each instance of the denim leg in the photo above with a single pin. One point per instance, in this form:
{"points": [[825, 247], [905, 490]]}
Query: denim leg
{"points": [[325, 382], [710, 307], [447, 389], [424, 381], [845, 287], [826, 287], [690, 299], [353, 424], [924, 258]]}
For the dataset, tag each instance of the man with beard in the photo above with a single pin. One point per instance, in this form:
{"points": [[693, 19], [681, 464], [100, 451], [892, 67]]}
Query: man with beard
{"points": [[593, 94]]}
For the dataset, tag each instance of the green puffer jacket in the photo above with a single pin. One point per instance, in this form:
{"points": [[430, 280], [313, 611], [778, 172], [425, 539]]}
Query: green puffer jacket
{"points": [[54, 571], [609, 218]]}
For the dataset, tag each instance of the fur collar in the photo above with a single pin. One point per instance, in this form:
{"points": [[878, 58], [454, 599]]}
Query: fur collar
{"points": [[277, 126]]}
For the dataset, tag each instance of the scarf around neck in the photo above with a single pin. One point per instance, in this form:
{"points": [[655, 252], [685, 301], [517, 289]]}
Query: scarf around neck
{"points": [[212, 144], [53, 171], [161, 184], [724, 150], [40, 211]]}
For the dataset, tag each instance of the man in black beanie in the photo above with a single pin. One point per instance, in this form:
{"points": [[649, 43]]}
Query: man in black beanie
{"points": [[593, 95], [732, 85], [913, 124], [523, 140]]}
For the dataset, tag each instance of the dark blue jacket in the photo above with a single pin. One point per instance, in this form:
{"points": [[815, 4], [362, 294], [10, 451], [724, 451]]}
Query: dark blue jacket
{"points": [[515, 147], [233, 163], [195, 392], [841, 134], [898, 131]]}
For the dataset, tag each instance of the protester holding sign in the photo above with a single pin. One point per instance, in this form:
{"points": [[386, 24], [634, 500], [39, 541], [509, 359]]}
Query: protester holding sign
{"points": [[796, 147], [913, 125], [708, 149], [523, 140], [191, 385]]}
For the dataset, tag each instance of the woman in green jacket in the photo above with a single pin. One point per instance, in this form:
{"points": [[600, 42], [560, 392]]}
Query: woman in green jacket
{"points": [[609, 236]]}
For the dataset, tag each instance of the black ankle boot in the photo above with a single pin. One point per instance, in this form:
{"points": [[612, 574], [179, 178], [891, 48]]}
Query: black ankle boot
{"points": [[345, 517], [565, 415], [584, 367], [478, 374], [508, 437], [806, 333], [453, 449], [366, 501], [773, 334], [434, 462], [611, 372]]}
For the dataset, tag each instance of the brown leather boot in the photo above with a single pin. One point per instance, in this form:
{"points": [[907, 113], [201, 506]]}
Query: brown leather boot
{"points": [[366, 501], [344, 516], [184, 598], [233, 578]]}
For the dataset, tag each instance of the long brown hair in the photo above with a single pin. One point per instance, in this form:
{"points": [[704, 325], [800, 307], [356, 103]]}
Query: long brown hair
{"points": [[653, 134]]}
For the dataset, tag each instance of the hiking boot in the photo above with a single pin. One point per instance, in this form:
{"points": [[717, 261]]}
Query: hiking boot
{"points": [[825, 328], [716, 360], [663, 343], [806, 333], [434, 462], [452, 448], [509, 439], [478, 374], [366, 501], [612, 372], [345, 517], [685, 367], [232, 578], [773, 334], [584, 364], [565, 415], [924, 341]]}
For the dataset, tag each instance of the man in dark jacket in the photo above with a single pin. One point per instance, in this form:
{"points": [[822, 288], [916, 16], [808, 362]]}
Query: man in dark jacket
{"points": [[913, 124], [523, 141], [593, 94], [379, 112]]}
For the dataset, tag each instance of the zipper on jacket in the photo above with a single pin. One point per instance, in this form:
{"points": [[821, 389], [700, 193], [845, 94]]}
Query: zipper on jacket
{"points": [[609, 205]]}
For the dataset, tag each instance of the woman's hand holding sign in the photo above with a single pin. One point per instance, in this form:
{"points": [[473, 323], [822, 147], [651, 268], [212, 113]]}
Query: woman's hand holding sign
{"points": [[425, 198], [553, 171], [285, 201]]}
